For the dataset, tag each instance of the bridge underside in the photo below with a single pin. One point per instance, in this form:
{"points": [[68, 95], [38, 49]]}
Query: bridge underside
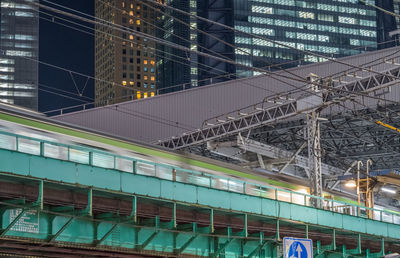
{"points": [[99, 223]]}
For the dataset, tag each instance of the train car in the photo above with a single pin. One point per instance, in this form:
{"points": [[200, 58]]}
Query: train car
{"points": [[153, 160]]}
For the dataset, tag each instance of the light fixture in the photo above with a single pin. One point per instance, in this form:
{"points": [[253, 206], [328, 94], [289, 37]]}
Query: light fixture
{"points": [[351, 184], [387, 190]]}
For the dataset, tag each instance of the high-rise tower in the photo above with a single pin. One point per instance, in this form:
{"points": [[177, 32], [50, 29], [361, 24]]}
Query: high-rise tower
{"points": [[125, 64], [19, 52]]}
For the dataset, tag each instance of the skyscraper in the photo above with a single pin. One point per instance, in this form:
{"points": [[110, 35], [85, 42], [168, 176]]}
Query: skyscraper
{"points": [[19, 53], [125, 64], [336, 28]]}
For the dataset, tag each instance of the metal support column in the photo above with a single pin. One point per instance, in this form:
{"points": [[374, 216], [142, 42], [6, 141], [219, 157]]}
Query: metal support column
{"points": [[314, 156]]}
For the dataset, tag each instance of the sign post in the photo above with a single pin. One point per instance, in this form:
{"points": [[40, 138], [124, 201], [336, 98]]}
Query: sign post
{"points": [[297, 248]]}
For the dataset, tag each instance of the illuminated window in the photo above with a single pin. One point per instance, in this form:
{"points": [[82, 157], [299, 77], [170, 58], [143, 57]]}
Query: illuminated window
{"points": [[130, 13], [130, 36], [131, 83], [124, 83], [152, 78], [138, 7], [145, 62], [145, 95], [123, 4], [262, 9], [152, 62], [152, 94], [130, 21], [137, 22], [306, 15], [138, 95], [145, 77], [131, 6]]}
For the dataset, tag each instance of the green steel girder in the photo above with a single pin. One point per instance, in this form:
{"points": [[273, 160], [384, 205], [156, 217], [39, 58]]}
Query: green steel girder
{"points": [[358, 249], [100, 179], [249, 247], [332, 247], [259, 247], [185, 245], [191, 236], [147, 241], [134, 209], [100, 241], [4, 231], [54, 237], [88, 210], [222, 248]]}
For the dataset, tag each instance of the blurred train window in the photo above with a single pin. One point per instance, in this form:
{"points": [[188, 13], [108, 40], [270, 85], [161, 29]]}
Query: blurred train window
{"points": [[219, 183], [7, 142], [145, 169], [79, 156], [103, 160], [198, 180], [164, 172], [124, 165], [253, 190], [55, 152], [29, 146], [235, 186]]}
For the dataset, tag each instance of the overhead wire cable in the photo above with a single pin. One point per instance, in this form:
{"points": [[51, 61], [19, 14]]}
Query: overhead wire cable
{"points": [[132, 89], [150, 39], [122, 39]]}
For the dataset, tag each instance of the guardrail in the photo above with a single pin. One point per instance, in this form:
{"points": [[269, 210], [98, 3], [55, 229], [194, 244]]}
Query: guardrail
{"points": [[103, 159]]}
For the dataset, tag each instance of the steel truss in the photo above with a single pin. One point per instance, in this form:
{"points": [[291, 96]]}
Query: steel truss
{"points": [[263, 116]]}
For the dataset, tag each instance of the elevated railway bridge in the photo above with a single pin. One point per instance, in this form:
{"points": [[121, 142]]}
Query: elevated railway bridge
{"points": [[63, 193]]}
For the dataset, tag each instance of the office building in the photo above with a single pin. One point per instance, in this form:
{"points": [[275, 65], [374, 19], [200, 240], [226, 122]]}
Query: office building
{"points": [[19, 53], [334, 29], [125, 64]]}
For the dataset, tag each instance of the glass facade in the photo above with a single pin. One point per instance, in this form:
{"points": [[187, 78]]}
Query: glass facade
{"points": [[334, 28], [19, 53]]}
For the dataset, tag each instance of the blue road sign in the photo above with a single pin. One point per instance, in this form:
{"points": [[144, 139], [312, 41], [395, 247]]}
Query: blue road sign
{"points": [[297, 248]]}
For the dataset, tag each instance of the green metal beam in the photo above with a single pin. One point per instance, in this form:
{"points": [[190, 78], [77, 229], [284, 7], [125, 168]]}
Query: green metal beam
{"points": [[258, 248], [148, 240], [15, 220], [357, 250], [106, 235], [134, 209], [222, 248], [64, 209], [185, 245], [88, 211], [212, 220], [54, 237], [307, 231], [40, 195], [188, 226], [277, 230]]}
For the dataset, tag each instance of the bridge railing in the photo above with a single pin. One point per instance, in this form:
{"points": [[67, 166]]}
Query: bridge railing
{"points": [[103, 159]]}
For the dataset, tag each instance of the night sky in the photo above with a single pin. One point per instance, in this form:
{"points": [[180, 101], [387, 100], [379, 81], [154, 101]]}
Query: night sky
{"points": [[67, 48]]}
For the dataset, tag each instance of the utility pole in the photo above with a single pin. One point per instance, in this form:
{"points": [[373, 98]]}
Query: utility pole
{"points": [[314, 145]]}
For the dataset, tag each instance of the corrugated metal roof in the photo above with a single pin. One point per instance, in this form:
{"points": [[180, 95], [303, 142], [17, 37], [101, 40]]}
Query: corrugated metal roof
{"points": [[172, 114]]}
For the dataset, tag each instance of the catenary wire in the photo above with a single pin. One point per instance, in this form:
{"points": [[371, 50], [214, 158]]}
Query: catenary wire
{"points": [[361, 68], [178, 46]]}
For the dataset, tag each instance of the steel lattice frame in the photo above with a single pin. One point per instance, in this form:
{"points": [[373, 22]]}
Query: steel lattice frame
{"points": [[263, 116]]}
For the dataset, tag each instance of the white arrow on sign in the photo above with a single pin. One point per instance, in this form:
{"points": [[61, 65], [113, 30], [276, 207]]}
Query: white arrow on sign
{"points": [[299, 250]]}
